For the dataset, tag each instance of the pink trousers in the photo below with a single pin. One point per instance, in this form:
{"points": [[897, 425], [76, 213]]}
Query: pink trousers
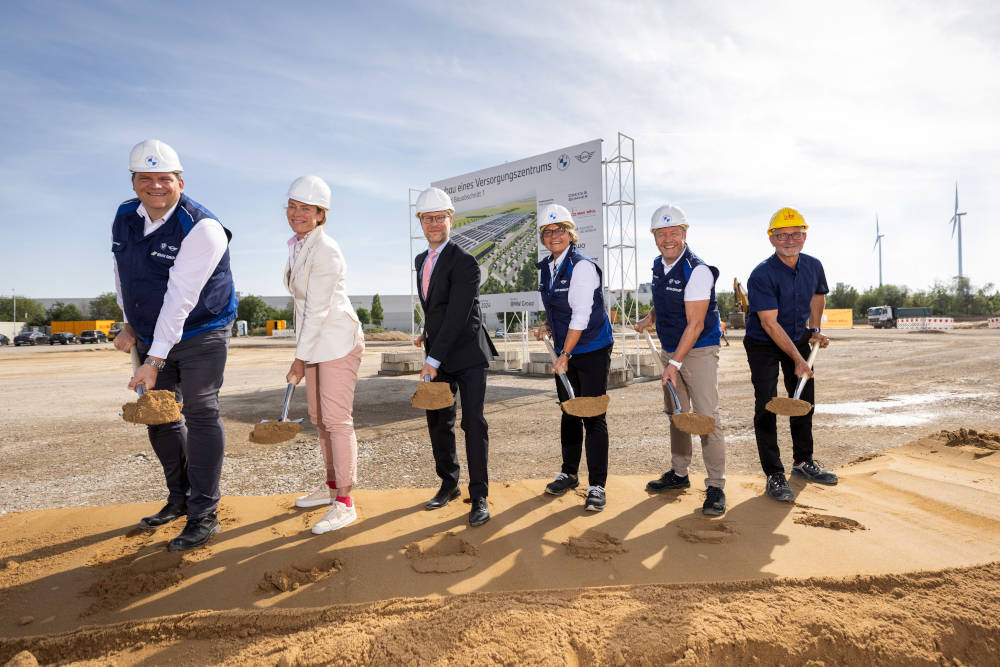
{"points": [[330, 392]]}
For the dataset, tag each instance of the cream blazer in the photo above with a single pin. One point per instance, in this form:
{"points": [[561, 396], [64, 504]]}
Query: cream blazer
{"points": [[326, 326]]}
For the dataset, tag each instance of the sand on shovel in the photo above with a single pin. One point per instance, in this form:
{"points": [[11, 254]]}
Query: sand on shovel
{"points": [[156, 406], [432, 396], [587, 406], [788, 407], [271, 433], [693, 423]]}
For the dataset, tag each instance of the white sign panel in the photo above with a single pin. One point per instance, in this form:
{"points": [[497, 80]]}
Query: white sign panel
{"points": [[496, 211]]}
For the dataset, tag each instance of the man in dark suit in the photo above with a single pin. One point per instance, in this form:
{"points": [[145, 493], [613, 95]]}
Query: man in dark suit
{"points": [[458, 352]]}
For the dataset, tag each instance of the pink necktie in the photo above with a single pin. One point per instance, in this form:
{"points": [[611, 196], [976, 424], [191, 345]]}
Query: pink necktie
{"points": [[425, 280]]}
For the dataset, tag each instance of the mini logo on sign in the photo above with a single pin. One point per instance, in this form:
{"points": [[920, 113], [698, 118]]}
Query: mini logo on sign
{"points": [[151, 161], [584, 156], [563, 162]]}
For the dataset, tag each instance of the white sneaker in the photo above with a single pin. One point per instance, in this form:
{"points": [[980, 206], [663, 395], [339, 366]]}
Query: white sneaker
{"points": [[336, 517], [322, 495]]}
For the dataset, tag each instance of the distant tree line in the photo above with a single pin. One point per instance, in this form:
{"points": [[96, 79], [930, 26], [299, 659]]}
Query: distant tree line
{"points": [[32, 313]]}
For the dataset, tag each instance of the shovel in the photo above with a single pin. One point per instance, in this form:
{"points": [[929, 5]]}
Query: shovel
{"points": [[585, 406], [689, 422], [271, 433], [794, 407], [156, 406], [432, 395]]}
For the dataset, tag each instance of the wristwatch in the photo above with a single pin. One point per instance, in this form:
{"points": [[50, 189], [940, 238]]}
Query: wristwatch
{"points": [[158, 365], [676, 364], [814, 331], [566, 354]]}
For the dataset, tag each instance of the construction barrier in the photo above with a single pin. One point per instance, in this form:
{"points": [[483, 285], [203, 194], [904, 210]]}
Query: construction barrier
{"points": [[993, 323], [838, 318], [939, 323], [910, 323]]}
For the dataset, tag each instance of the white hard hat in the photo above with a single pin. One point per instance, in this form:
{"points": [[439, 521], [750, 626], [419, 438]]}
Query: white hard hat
{"points": [[433, 199], [152, 155], [552, 214], [668, 215], [310, 190]]}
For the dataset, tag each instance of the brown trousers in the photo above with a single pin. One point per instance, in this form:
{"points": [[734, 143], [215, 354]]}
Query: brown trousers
{"points": [[698, 391]]}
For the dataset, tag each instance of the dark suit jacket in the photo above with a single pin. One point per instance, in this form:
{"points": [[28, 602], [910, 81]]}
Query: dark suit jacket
{"points": [[453, 322]]}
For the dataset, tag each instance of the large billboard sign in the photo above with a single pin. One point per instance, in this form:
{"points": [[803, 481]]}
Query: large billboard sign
{"points": [[496, 211]]}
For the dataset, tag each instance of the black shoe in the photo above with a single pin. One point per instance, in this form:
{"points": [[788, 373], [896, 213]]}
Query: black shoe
{"points": [[668, 482], [561, 484], [715, 502], [813, 471], [444, 496], [778, 488], [480, 513], [195, 533], [170, 512], [595, 499]]}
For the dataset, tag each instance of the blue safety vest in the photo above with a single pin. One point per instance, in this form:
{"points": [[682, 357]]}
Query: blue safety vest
{"points": [[668, 301], [555, 297], [144, 268]]}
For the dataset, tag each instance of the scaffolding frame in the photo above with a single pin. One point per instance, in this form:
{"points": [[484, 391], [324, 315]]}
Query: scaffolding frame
{"points": [[621, 269], [411, 215]]}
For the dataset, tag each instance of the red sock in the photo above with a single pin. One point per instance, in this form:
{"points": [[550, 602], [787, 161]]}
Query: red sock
{"points": [[332, 485], [346, 500]]}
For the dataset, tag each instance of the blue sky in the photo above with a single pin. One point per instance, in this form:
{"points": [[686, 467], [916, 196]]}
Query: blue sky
{"points": [[842, 111]]}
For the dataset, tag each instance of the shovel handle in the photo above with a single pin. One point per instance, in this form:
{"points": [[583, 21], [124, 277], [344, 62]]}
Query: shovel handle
{"points": [[139, 389], [562, 376], [659, 363], [289, 390], [804, 379], [652, 348]]}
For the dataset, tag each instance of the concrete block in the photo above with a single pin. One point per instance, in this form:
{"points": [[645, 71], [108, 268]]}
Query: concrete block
{"points": [[397, 357], [619, 377], [537, 369]]}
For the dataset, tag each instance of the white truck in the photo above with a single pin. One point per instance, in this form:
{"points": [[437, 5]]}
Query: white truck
{"points": [[885, 317]]}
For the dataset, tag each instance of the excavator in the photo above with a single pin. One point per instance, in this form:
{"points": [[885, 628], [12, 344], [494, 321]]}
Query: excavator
{"points": [[738, 318]]}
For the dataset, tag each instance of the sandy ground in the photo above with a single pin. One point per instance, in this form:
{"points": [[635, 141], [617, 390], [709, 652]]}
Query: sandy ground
{"points": [[897, 565]]}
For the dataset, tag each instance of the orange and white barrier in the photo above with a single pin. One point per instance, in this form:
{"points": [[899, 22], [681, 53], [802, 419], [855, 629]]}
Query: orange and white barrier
{"points": [[939, 323], [993, 323]]}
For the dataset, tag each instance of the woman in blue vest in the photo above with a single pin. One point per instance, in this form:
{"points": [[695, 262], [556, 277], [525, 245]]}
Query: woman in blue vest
{"points": [[328, 348], [572, 292]]}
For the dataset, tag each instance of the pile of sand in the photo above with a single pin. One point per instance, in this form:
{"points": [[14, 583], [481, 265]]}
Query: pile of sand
{"points": [[898, 564], [964, 436], [156, 406]]}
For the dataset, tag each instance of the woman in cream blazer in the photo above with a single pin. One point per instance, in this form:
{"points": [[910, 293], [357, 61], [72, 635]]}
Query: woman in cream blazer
{"points": [[328, 347]]}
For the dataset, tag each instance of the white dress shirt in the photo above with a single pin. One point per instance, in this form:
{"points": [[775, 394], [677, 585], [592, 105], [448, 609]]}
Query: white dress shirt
{"points": [[197, 258], [700, 283], [431, 360], [582, 284]]}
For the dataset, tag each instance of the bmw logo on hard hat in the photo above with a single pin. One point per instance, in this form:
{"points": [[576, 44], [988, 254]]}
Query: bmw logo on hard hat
{"points": [[552, 217], [151, 161], [666, 218], [563, 161]]}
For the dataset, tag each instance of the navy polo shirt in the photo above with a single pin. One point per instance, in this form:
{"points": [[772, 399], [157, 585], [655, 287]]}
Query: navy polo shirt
{"points": [[775, 286]]}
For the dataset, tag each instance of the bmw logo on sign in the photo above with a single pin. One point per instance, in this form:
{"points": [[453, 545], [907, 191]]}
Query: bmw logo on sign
{"points": [[563, 162], [151, 161]]}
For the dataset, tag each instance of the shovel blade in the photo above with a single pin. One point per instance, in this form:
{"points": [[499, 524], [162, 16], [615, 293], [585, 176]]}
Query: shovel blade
{"points": [[587, 406], [271, 433], [432, 396], [788, 407], [693, 423]]}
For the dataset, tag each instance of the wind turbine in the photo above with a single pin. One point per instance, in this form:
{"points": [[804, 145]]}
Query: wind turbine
{"points": [[956, 223], [878, 244]]}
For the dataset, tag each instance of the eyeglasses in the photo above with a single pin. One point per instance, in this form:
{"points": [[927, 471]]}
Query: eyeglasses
{"points": [[434, 219], [546, 233], [794, 236]]}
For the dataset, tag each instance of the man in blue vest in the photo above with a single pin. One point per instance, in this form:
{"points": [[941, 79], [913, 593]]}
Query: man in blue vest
{"points": [[573, 294], [686, 317], [176, 291], [787, 293]]}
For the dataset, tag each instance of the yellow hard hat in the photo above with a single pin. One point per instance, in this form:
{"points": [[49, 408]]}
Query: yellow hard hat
{"points": [[786, 217]]}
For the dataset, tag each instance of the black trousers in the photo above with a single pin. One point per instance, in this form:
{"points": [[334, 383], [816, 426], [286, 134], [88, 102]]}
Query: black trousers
{"points": [[191, 449], [588, 375], [470, 384], [764, 358]]}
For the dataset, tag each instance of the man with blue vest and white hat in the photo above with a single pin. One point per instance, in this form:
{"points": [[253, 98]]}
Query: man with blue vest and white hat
{"points": [[176, 290], [686, 316]]}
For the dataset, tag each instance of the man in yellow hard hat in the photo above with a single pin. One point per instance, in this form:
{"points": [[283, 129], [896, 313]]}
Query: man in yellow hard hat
{"points": [[787, 294]]}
